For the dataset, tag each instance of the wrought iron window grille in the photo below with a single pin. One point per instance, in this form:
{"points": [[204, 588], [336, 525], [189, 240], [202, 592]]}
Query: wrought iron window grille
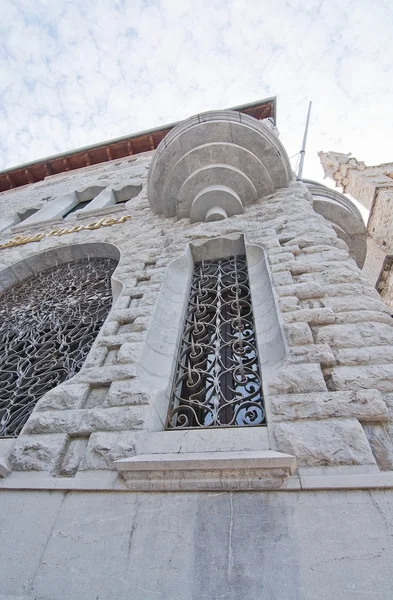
{"points": [[218, 380], [48, 323]]}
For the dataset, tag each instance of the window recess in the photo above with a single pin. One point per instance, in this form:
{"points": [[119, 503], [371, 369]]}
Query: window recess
{"points": [[218, 380]]}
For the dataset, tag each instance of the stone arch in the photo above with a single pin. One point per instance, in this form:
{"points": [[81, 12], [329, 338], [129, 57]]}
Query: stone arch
{"points": [[35, 263], [53, 305]]}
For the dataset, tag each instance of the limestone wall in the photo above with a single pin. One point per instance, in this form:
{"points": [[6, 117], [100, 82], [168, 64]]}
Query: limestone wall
{"points": [[337, 375], [114, 174], [329, 402], [381, 219], [385, 282], [387, 291], [374, 261]]}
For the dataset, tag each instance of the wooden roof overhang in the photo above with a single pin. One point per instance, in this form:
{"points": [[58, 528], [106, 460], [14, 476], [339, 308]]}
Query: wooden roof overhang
{"points": [[110, 150]]}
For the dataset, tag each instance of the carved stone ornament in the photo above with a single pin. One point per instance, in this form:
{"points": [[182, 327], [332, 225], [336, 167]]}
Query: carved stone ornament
{"points": [[213, 165]]}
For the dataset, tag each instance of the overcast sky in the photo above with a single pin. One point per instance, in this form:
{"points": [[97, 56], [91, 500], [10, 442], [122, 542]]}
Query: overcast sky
{"points": [[77, 72]]}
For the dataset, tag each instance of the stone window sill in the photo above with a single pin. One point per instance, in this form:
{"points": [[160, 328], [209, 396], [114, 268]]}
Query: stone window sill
{"points": [[203, 471], [105, 210]]}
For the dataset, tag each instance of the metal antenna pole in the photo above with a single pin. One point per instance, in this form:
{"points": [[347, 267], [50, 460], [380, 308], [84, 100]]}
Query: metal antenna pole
{"points": [[303, 150]]}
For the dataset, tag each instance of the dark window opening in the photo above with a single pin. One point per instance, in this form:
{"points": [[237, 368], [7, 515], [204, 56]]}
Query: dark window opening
{"points": [[79, 206], [27, 213], [48, 324]]}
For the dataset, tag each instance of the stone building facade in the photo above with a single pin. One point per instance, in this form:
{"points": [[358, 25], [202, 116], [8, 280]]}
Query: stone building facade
{"points": [[373, 188], [105, 497]]}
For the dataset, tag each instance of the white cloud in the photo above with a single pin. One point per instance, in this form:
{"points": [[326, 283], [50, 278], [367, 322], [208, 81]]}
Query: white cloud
{"points": [[76, 72]]}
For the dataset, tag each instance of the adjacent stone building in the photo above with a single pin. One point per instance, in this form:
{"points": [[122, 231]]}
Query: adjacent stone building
{"points": [[372, 187], [197, 378]]}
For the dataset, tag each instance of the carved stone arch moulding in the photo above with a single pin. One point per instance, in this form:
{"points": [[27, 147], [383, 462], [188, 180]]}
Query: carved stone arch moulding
{"points": [[206, 458], [158, 360], [52, 306]]}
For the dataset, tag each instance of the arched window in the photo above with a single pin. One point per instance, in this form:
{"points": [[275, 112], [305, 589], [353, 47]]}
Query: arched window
{"points": [[218, 381], [48, 323]]}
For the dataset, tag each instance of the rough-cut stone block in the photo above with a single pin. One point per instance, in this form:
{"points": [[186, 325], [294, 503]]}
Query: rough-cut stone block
{"points": [[364, 316], [283, 278], [366, 355], [365, 405], [141, 323], [128, 315], [354, 303], [113, 419], [5, 449], [324, 443], [83, 422], [281, 257], [311, 240], [104, 449], [314, 316], [331, 254], [122, 302], [276, 248], [339, 336], [300, 267], [380, 438], [279, 267], [109, 328], [388, 397], [289, 303], [95, 358], [314, 353], [129, 353], [157, 277], [114, 341], [320, 248], [377, 334], [126, 393], [73, 455], [357, 378], [292, 248], [304, 291], [342, 273], [292, 379], [351, 289], [96, 396], [64, 396], [5, 467], [65, 421], [149, 299], [105, 375], [298, 334], [313, 304], [37, 452]]}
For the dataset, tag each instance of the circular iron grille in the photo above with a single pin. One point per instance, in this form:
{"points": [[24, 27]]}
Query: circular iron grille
{"points": [[48, 323]]}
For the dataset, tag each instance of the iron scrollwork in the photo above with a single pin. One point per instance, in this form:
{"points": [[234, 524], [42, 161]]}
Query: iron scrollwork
{"points": [[218, 380], [48, 323]]}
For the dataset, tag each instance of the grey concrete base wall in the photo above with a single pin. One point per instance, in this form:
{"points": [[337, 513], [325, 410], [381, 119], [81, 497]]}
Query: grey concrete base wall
{"points": [[191, 546]]}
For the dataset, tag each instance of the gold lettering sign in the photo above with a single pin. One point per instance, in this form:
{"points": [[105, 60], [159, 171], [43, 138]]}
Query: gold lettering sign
{"points": [[20, 240]]}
